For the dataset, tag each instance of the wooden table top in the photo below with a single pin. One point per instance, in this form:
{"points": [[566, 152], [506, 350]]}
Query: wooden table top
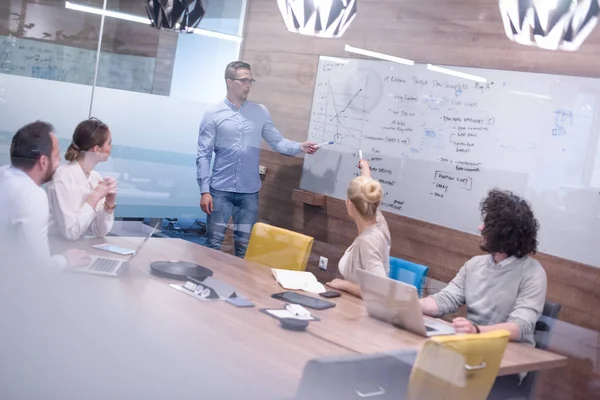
{"points": [[251, 337]]}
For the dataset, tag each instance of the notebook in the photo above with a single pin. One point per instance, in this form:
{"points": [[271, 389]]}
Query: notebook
{"points": [[298, 280]]}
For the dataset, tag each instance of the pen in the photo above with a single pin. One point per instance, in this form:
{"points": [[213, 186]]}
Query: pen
{"points": [[323, 144], [360, 154]]}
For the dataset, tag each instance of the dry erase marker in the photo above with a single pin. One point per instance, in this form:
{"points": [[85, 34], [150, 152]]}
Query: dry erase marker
{"points": [[360, 154], [323, 144]]}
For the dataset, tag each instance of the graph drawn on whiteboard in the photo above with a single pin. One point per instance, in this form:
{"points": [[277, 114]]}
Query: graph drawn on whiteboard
{"points": [[342, 108], [438, 144], [338, 115]]}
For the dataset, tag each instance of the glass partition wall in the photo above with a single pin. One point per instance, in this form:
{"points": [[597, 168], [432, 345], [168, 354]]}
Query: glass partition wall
{"points": [[66, 61]]}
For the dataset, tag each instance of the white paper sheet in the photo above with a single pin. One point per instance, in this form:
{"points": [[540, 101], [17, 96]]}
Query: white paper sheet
{"points": [[298, 280]]}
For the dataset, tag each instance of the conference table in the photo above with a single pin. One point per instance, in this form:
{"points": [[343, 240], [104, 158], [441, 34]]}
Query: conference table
{"points": [[142, 337]]}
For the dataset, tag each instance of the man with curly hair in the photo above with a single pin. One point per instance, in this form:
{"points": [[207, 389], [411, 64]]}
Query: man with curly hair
{"points": [[505, 289]]}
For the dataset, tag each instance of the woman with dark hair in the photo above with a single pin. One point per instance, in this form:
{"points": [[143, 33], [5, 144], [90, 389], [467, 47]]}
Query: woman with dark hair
{"points": [[80, 199], [505, 289]]}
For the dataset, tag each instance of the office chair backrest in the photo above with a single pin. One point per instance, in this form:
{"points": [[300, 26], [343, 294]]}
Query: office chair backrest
{"points": [[543, 329], [408, 272], [376, 376], [457, 367], [542, 333], [278, 248], [544, 325]]}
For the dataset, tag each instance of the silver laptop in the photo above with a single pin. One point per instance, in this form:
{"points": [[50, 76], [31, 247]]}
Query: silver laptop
{"points": [[397, 303], [108, 266]]}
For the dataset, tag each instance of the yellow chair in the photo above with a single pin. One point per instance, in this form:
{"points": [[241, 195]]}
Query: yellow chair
{"points": [[278, 248], [457, 367]]}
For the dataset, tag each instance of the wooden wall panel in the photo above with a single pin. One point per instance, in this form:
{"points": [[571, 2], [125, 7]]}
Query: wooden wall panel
{"points": [[444, 250], [446, 32], [294, 75], [451, 32]]}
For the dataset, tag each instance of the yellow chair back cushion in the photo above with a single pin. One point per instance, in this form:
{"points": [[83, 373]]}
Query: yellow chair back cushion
{"points": [[458, 367], [278, 248]]}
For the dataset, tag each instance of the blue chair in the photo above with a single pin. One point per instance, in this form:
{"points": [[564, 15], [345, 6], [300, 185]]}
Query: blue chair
{"points": [[408, 272]]}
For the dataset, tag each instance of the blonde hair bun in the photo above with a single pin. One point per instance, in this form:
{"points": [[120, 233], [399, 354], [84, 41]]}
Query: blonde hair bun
{"points": [[365, 193], [371, 191]]}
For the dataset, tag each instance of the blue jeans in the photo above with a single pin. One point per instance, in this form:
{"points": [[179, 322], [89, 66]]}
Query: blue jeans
{"points": [[242, 208]]}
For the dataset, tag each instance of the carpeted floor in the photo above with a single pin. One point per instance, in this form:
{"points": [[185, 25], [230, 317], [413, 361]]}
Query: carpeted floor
{"points": [[193, 233]]}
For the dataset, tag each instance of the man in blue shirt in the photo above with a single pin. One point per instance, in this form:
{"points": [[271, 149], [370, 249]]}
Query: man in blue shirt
{"points": [[233, 129]]}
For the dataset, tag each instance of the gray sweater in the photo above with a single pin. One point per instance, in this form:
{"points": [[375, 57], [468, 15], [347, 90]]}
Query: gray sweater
{"points": [[513, 290]]}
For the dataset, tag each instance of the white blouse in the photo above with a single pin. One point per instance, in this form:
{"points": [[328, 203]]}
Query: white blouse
{"points": [[343, 264], [369, 251], [70, 215]]}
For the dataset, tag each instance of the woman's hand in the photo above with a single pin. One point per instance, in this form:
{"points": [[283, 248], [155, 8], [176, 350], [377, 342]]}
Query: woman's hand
{"points": [[345, 286], [111, 188], [364, 167], [338, 284], [101, 190], [98, 194]]}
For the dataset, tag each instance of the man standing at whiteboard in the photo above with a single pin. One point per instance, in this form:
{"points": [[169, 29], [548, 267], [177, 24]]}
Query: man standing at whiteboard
{"points": [[233, 130]]}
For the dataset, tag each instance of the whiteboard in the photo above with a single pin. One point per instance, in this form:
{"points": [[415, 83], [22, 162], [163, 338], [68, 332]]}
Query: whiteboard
{"points": [[38, 59], [438, 143]]}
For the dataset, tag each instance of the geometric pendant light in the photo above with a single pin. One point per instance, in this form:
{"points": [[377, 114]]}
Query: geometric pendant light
{"points": [[549, 24], [175, 14], [322, 18]]}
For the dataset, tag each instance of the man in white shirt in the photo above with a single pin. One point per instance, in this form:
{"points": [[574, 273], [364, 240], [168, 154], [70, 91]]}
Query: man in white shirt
{"points": [[24, 212]]}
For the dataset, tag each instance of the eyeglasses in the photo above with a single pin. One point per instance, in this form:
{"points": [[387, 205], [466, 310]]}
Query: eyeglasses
{"points": [[246, 81]]}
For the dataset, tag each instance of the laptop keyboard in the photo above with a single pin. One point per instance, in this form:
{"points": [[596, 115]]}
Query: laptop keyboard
{"points": [[104, 265]]}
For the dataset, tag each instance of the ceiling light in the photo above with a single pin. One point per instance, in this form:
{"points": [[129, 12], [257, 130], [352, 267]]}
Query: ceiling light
{"points": [[107, 13], [530, 94], [335, 59], [322, 18], [456, 73], [381, 56], [168, 14], [549, 24], [144, 20]]}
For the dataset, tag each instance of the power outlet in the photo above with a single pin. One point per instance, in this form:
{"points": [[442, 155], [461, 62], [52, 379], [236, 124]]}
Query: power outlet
{"points": [[323, 263], [262, 170]]}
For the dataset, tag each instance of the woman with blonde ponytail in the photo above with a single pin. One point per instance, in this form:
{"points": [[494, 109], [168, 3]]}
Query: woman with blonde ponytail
{"points": [[81, 201], [371, 249]]}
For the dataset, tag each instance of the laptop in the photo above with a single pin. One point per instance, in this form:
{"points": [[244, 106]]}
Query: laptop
{"points": [[397, 303], [108, 266]]}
